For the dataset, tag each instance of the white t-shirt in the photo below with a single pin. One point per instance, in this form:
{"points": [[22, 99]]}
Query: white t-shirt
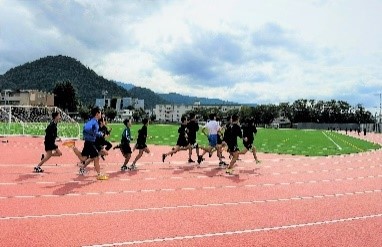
{"points": [[213, 127]]}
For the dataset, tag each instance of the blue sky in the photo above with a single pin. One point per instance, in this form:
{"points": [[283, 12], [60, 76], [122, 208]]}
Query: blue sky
{"points": [[244, 51]]}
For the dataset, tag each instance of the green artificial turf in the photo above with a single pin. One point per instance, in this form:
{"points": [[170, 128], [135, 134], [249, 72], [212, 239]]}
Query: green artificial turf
{"points": [[282, 141]]}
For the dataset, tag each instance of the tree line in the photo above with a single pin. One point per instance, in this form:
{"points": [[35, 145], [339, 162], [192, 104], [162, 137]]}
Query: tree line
{"points": [[301, 110]]}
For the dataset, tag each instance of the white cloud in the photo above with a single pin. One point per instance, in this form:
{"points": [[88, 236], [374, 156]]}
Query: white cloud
{"points": [[239, 50]]}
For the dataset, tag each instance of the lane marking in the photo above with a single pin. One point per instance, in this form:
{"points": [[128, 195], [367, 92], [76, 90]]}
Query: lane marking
{"points": [[238, 232], [189, 206], [223, 186], [338, 146], [197, 176]]}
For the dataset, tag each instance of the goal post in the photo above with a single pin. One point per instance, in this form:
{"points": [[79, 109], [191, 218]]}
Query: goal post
{"points": [[17, 120]]}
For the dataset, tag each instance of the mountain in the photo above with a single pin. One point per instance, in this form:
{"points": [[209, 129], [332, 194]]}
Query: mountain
{"points": [[151, 98], [176, 98], [44, 73], [126, 86]]}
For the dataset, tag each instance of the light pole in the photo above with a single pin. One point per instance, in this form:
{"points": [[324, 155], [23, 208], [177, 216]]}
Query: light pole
{"points": [[380, 106], [104, 93]]}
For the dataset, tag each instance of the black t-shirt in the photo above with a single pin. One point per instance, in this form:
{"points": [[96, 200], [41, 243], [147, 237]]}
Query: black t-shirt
{"points": [[51, 132], [142, 135], [248, 131], [192, 128], [231, 134]]}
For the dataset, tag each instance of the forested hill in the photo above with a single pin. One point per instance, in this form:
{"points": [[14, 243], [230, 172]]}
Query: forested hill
{"points": [[151, 98], [44, 73]]}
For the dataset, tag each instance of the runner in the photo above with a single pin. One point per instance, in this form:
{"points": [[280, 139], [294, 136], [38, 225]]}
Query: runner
{"points": [[211, 131], [249, 130], [230, 137], [51, 148], [125, 144], [90, 150], [141, 143], [182, 142], [193, 128]]}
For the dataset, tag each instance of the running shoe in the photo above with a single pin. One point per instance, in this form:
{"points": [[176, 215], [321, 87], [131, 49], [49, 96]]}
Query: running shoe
{"points": [[200, 159], [222, 163], [258, 161], [132, 168], [229, 171], [191, 161], [102, 177], [69, 144], [124, 168], [82, 171], [38, 169]]}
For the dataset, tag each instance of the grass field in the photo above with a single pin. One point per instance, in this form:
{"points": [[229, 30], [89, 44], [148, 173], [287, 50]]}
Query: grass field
{"points": [[282, 141]]}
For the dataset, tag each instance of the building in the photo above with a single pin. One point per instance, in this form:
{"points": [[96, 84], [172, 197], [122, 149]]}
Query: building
{"points": [[26, 97], [121, 103], [173, 112], [135, 103]]}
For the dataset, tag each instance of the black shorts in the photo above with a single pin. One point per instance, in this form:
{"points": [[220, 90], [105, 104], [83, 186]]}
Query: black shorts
{"points": [[140, 146], [49, 146], [126, 149], [182, 143], [248, 144], [90, 150], [220, 141], [232, 148], [193, 143]]}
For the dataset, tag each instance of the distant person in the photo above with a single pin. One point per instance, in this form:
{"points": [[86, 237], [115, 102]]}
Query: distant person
{"points": [[182, 143], [51, 148], [364, 131]]}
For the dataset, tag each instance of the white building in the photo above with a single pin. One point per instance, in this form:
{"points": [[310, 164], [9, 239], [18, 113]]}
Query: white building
{"points": [[122, 103], [173, 112], [135, 103], [102, 103]]}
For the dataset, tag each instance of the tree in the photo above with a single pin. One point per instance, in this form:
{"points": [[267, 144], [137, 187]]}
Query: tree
{"points": [[65, 96], [110, 113], [84, 113]]}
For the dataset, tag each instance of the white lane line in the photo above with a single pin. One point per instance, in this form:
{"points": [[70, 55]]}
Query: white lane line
{"points": [[338, 146], [191, 177], [238, 232], [295, 198], [196, 188]]}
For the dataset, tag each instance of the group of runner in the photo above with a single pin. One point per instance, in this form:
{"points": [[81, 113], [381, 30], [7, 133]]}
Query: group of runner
{"points": [[219, 138], [96, 146]]}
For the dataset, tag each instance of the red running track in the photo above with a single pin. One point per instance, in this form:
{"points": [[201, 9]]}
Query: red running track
{"points": [[284, 201]]}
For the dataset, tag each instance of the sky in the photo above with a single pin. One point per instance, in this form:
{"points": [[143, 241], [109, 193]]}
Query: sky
{"points": [[263, 52]]}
